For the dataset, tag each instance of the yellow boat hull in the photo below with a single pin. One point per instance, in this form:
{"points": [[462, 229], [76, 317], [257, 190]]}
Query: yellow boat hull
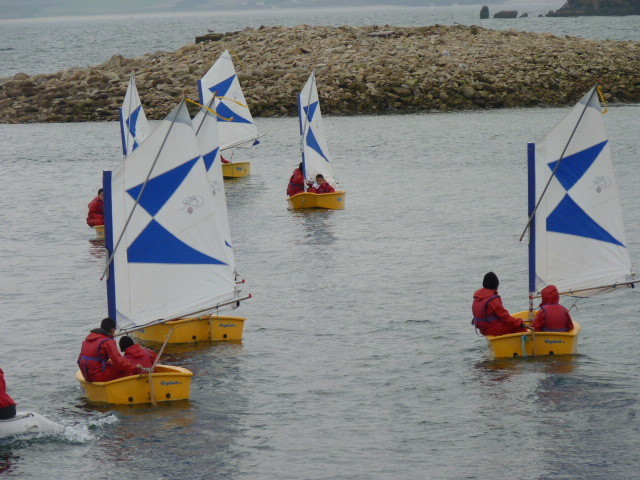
{"points": [[99, 231], [333, 201], [529, 344], [168, 384], [186, 330], [236, 169]]}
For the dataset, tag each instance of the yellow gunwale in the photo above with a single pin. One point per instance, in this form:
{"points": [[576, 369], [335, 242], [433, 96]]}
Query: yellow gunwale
{"points": [[236, 169], [189, 330], [170, 383], [333, 201], [535, 343]]}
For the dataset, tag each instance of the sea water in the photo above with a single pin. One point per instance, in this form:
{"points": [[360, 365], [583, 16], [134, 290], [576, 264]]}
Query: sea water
{"points": [[358, 359]]}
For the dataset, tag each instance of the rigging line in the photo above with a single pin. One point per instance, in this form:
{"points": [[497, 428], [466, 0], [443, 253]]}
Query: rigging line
{"points": [[144, 186], [213, 99], [306, 124], [553, 173], [209, 109], [234, 101]]}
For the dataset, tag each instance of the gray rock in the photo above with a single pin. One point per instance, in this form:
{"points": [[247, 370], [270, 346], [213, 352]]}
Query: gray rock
{"points": [[506, 14], [484, 12]]}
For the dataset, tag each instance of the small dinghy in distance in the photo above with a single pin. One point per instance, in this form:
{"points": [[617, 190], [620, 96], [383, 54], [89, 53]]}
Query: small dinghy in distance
{"points": [[28, 423], [577, 237], [236, 128], [171, 268], [315, 153], [165, 384]]}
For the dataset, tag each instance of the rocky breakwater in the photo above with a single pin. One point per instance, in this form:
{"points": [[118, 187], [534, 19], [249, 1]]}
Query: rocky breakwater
{"points": [[360, 70]]}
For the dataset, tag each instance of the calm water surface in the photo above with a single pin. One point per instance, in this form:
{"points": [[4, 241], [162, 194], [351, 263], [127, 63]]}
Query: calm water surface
{"points": [[358, 360]]}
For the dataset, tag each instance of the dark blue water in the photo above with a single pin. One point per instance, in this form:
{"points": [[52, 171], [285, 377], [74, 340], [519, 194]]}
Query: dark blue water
{"points": [[358, 360]]}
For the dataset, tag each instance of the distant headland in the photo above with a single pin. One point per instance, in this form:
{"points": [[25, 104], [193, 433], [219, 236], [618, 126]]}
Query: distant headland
{"points": [[574, 8], [360, 70]]}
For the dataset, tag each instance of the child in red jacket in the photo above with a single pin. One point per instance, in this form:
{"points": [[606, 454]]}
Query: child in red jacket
{"points": [[322, 186], [136, 353], [552, 317]]}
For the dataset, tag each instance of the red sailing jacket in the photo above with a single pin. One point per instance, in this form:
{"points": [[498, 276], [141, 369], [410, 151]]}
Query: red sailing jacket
{"points": [[5, 399], [324, 188], [96, 212], [138, 355], [97, 350], [296, 183], [490, 317], [552, 317]]}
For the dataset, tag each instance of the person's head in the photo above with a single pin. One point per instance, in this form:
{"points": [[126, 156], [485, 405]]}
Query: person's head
{"points": [[491, 281], [550, 295], [300, 166], [108, 325], [320, 179], [125, 342], [101, 193]]}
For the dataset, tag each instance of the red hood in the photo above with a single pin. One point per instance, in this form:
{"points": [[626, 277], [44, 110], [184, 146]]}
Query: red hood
{"points": [[484, 293], [550, 295], [135, 350], [94, 335]]}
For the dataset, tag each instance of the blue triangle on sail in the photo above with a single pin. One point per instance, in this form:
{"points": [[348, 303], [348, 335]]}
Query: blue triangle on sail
{"points": [[132, 121], [573, 167], [160, 188], [221, 89], [135, 145], [225, 112], [210, 157], [156, 244], [313, 143], [227, 244], [570, 219], [310, 110]]}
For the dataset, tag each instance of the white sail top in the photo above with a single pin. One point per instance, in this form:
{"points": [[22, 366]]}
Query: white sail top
{"points": [[171, 260], [205, 125], [578, 236], [235, 124], [315, 154], [134, 127]]}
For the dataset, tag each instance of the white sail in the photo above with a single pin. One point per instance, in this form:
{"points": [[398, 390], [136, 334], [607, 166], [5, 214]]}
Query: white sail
{"points": [[578, 237], [134, 127], [206, 129], [171, 258], [235, 124], [315, 154]]}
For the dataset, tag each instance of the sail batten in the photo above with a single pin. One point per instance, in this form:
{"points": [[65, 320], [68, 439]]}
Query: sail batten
{"points": [[172, 259], [236, 127], [578, 240]]}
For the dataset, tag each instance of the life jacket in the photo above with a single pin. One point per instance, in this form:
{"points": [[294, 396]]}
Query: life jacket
{"points": [[90, 352], [555, 319], [479, 309], [294, 188]]}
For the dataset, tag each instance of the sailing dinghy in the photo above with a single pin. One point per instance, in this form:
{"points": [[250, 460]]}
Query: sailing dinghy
{"points": [[28, 423], [172, 266], [315, 154], [235, 125], [577, 239], [134, 128]]}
